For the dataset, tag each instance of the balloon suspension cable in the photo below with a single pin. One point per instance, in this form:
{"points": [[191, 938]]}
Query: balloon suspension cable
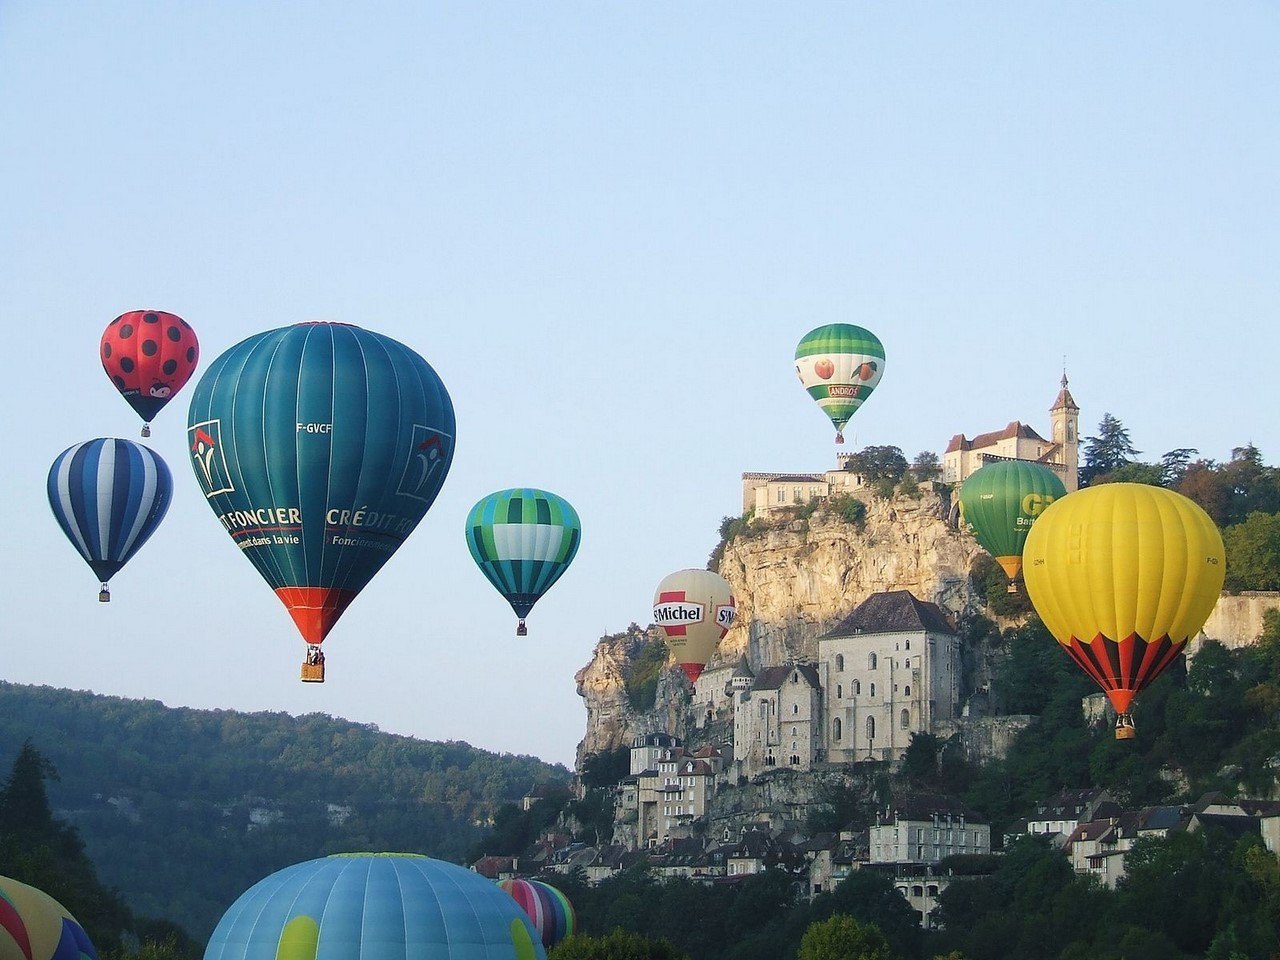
{"points": [[1125, 730], [104, 594], [521, 629], [146, 429]]}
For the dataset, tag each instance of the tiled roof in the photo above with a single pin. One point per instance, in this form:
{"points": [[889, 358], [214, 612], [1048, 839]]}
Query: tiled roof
{"points": [[896, 611], [1015, 428], [771, 678]]}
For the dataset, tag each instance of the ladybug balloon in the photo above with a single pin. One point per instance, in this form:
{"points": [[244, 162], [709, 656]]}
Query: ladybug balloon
{"points": [[149, 355]]}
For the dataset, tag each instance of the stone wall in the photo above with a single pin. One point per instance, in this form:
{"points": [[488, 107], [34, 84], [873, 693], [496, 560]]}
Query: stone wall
{"points": [[1236, 620]]}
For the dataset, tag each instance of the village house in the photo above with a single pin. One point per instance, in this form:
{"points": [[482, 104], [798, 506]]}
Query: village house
{"points": [[765, 492], [777, 721]]}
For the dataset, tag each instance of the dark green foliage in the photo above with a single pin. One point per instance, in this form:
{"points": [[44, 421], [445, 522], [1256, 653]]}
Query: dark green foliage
{"points": [[990, 581], [878, 463], [166, 800], [1253, 553], [618, 945], [515, 829], [847, 507], [843, 938], [606, 768], [646, 667], [926, 466], [594, 813], [1110, 450], [730, 529]]}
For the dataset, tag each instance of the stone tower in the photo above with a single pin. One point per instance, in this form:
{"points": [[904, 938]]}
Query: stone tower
{"points": [[1066, 433]]}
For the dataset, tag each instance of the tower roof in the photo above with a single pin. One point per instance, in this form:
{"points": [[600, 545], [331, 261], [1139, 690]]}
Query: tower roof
{"points": [[1064, 399], [896, 611]]}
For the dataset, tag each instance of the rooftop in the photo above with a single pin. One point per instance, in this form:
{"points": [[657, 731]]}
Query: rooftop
{"points": [[896, 611]]}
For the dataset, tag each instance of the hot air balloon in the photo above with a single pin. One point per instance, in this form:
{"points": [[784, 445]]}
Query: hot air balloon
{"points": [[1123, 575], [840, 365], [374, 906], [549, 909], [109, 496], [695, 609], [149, 355], [34, 926], [1001, 501], [523, 540], [320, 447]]}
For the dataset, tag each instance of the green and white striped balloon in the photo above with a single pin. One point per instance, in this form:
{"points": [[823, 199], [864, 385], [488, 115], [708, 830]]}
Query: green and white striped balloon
{"points": [[523, 540], [839, 365]]}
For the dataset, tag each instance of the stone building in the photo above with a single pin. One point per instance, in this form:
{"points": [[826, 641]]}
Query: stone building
{"points": [[765, 492], [926, 829], [778, 720], [890, 669], [1018, 441]]}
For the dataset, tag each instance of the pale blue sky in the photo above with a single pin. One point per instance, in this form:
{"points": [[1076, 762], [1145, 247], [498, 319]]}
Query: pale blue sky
{"points": [[606, 225]]}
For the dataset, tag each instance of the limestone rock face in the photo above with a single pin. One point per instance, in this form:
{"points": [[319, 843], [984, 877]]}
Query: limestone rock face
{"points": [[793, 582]]}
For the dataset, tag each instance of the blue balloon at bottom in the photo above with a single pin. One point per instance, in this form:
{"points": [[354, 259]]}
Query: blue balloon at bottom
{"points": [[375, 906]]}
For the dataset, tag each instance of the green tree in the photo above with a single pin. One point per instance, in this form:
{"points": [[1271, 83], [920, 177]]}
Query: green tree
{"points": [[843, 938], [1110, 450], [1174, 464], [878, 464], [926, 466], [1253, 553], [618, 945]]}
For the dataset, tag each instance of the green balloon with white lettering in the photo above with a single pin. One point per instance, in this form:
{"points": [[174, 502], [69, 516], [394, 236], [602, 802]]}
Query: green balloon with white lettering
{"points": [[1000, 501]]}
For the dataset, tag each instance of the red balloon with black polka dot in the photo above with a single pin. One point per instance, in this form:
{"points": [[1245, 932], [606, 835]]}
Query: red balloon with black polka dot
{"points": [[149, 355]]}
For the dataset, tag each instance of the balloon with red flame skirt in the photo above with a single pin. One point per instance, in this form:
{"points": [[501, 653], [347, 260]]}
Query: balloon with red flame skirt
{"points": [[695, 609], [320, 447], [149, 356]]}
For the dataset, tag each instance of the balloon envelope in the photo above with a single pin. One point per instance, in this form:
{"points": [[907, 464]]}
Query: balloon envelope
{"points": [[149, 355], [320, 447], [1001, 501], [109, 496], [695, 609], [34, 926], [839, 365], [549, 909], [371, 906], [1123, 575], [523, 540]]}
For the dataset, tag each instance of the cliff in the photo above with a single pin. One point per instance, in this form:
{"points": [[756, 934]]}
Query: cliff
{"points": [[793, 579]]}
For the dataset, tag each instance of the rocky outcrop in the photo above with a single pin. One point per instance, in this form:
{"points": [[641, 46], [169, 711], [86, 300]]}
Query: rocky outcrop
{"points": [[793, 580]]}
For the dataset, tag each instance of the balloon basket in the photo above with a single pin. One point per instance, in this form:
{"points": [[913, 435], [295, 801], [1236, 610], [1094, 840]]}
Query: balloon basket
{"points": [[1011, 588], [1125, 729], [839, 437], [313, 673], [146, 429], [522, 630], [104, 595]]}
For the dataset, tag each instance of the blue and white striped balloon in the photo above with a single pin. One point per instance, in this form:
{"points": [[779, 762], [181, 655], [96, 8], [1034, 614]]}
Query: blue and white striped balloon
{"points": [[109, 496]]}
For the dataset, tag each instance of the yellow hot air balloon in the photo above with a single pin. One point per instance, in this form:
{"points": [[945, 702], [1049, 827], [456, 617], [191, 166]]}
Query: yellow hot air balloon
{"points": [[1123, 575], [695, 609]]}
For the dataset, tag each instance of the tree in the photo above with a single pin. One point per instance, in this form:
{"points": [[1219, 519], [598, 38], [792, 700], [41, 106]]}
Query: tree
{"points": [[618, 945], [1253, 553], [844, 938], [1110, 450], [1173, 466], [878, 463], [926, 466]]}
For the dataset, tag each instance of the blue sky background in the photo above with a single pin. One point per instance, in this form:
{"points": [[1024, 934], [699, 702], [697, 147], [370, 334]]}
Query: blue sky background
{"points": [[606, 225]]}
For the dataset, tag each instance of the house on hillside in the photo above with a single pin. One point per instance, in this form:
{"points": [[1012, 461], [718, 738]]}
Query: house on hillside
{"points": [[889, 670], [777, 720], [1018, 441]]}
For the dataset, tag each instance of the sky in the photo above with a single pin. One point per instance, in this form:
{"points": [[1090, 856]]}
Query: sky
{"points": [[606, 226]]}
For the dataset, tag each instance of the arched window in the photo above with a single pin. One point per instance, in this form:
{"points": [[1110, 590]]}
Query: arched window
{"points": [[857, 687], [908, 644], [839, 691], [795, 677], [835, 729], [871, 728], [839, 661], [873, 689], [905, 720], [795, 708], [871, 661], [906, 691]]}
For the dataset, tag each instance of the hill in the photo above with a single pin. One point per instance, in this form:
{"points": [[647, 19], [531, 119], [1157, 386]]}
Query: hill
{"points": [[182, 810]]}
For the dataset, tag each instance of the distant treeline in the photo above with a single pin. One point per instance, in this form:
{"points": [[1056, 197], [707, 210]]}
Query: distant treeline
{"points": [[182, 810]]}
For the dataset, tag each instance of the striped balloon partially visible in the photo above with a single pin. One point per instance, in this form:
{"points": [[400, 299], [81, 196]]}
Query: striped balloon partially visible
{"points": [[549, 909], [109, 496], [523, 540]]}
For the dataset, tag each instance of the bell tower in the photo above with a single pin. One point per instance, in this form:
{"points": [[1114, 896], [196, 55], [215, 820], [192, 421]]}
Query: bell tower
{"points": [[1066, 433]]}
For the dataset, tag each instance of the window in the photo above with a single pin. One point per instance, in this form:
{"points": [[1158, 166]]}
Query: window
{"points": [[908, 644], [793, 731], [795, 677], [782, 494], [857, 687], [871, 728], [905, 720], [871, 662], [795, 708], [839, 691], [835, 729], [873, 689], [917, 890], [839, 661], [906, 691]]}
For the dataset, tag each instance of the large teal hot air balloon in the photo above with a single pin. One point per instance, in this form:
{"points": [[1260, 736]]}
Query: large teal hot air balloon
{"points": [[523, 540], [34, 926], [369, 906], [319, 447]]}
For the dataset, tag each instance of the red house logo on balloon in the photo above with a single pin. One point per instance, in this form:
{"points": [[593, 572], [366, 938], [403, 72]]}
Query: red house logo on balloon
{"points": [[211, 462]]}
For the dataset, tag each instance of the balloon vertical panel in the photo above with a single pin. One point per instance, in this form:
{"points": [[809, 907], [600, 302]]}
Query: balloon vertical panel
{"points": [[320, 447]]}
